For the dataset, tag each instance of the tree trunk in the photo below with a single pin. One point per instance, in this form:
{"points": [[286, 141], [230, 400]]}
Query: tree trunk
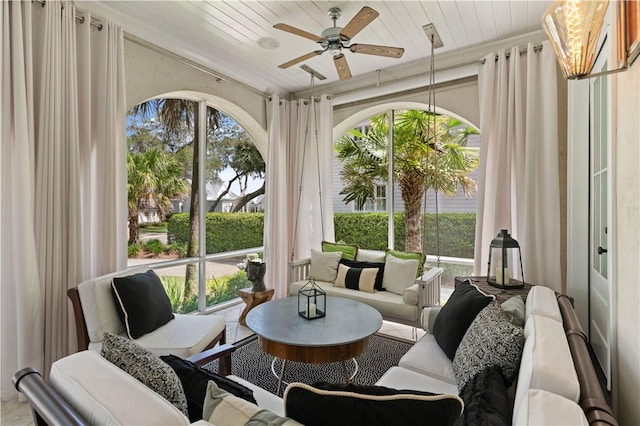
{"points": [[411, 188], [240, 202], [191, 277], [134, 227]]}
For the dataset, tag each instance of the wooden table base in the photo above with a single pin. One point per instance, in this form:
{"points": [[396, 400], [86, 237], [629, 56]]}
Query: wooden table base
{"points": [[252, 300]]}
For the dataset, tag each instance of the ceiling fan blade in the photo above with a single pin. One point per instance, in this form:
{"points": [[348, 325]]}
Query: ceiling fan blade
{"points": [[374, 49], [358, 22], [342, 67], [300, 59], [298, 32]]}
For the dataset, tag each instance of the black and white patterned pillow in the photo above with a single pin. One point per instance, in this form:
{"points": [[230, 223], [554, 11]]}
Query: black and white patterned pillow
{"points": [[145, 366], [362, 279], [490, 340]]}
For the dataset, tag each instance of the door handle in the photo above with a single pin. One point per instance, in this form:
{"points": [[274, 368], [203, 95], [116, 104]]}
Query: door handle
{"points": [[601, 250]]}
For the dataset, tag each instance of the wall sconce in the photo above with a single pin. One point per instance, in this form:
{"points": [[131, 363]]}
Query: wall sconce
{"points": [[573, 28]]}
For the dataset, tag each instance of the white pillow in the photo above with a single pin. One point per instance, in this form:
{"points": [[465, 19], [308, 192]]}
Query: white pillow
{"points": [[514, 308], [222, 408], [324, 265], [540, 407], [399, 274]]}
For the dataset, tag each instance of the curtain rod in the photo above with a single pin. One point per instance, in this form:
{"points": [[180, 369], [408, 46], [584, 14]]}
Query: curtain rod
{"points": [[537, 48], [80, 18]]}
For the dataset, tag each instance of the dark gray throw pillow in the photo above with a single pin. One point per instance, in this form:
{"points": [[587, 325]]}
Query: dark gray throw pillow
{"points": [[142, 303], [456, 315], [324, 404], [195, 381], [146, 367], [486, 402]]}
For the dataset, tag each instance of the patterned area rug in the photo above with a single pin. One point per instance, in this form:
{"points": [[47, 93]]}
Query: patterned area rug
{"points": [[254, 365]]}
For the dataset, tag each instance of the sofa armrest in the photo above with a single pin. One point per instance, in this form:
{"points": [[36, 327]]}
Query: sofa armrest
{"points": [[220, 352], [429, 315], [411, 295], [430, 282], [299, 269]]}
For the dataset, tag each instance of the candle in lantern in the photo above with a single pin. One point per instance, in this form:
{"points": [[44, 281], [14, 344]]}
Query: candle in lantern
{"points": [[499, 276], [312, 310]]}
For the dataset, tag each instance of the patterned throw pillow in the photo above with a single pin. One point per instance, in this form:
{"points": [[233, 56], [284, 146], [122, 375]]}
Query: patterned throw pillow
{"points": [[490, 340], [146, 367], [362, 279]]}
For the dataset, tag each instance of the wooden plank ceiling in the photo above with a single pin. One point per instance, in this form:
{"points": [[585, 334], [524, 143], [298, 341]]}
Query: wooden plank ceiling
{"points": [[226, 35]]}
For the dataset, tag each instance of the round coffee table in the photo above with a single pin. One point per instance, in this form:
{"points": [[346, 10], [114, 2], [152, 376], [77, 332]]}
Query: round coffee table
{"points": [[340, 335]]}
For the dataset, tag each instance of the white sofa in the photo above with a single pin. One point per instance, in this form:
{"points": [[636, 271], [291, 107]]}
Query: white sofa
{"points": [[556, 382], [402, 308]]}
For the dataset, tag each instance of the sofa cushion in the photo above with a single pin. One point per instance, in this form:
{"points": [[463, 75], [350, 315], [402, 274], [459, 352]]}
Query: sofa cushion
{"points": [[195, 381], [546, 361], [324, 266], [146, 367], [542, 301], [361, 264], [456, 315], [544, 408], [223, 408], [350, 404], [105, 395], [438, 365], [486, 401], [142, 302], [349, 251], [399, 274], [365, 255], [403, 378], [362, 279], [490, 340]]}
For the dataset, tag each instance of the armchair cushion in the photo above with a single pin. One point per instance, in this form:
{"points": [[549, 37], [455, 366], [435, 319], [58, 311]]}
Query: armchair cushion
{"points": [[146, 367], [195, 381], [142, 303]]}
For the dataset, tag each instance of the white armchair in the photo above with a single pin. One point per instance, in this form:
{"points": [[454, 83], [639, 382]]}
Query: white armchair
{"points": [[96, 313]]}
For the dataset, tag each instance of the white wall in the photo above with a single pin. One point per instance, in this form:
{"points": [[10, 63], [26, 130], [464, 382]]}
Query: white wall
{"points": [[627, 268]]}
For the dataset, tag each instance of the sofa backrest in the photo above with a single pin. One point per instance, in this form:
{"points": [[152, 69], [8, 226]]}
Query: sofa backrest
{"points": [[98, 307]]}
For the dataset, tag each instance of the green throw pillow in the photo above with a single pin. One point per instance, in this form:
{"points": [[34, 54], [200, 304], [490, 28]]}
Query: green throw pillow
{"points": [[349, 251], [408, 255]]}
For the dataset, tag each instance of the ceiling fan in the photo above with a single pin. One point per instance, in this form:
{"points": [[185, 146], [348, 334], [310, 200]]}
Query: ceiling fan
{"points": [[334, 39]]}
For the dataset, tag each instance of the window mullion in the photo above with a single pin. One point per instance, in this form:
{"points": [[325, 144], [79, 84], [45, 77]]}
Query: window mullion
{"points": [[202, 194]]}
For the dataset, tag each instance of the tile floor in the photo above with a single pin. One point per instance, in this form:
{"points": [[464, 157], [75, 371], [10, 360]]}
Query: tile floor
{"points": [[15, 413]]}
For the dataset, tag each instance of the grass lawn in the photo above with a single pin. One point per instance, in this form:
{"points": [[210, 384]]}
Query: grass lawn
{"points": [[154, 228]]}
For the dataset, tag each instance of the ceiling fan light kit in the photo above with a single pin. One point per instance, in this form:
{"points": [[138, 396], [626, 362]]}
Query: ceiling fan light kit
{"points": [[335, 39]]}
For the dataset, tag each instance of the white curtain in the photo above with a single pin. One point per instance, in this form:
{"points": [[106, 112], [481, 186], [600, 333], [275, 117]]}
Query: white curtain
{"points": [[299, 211], [519, 181], [64, 173]]}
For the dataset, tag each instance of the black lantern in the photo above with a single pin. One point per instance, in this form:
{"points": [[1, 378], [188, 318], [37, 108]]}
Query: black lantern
{"points": [[312, 301], [503, 270]]}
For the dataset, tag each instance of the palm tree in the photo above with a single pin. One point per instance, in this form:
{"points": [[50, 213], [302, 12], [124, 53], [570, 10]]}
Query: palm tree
{"points": [[154, 178], [174, 114], [421, 162]]}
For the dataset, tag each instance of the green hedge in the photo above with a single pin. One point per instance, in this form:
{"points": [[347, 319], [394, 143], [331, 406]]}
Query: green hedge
{"points": [[369, 230], [235, 231], [225, 231]]}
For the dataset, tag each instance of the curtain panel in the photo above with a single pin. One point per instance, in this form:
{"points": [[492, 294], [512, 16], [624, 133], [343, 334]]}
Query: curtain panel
{"points": [[519, 180], [299, 206], [63, 173]]}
